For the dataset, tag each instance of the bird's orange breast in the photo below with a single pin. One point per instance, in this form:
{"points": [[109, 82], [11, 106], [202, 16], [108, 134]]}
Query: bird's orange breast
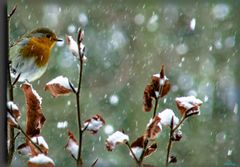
{"points": [[39, 48]]}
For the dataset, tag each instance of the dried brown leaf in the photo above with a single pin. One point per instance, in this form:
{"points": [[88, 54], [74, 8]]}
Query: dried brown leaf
{"points": [[147, 98], [59, 86], [72, 145], [153, 128], [35, 118], [139, 142], [152, 148], [94, 124]]}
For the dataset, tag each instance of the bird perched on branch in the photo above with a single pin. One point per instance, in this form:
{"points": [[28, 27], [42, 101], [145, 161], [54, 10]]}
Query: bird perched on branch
{"points": [[30, 55]]}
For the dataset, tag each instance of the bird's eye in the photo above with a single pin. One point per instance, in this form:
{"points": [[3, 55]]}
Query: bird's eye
{"points": [[48, 35]]}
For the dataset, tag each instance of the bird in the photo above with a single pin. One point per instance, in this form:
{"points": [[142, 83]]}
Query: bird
{"points": [[29, 56]]}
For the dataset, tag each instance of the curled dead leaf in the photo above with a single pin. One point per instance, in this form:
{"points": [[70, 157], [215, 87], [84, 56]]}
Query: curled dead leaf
{"points": [[137, 147], [147, 98], [115, 139], [150, 149], [189, 105], [154, 127], [94, 124], [72, 145], [59, 86], [35, 118]]}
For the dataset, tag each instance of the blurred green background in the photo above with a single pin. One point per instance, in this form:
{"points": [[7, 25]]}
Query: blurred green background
{"points": [[127, 42]]}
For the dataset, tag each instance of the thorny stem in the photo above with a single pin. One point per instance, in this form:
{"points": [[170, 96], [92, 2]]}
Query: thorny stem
{"points": [[11, 135], [130, 149], [78, 96]]}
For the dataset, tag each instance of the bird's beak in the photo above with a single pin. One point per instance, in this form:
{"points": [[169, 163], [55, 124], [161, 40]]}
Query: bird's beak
{"points": [[58, 39]]}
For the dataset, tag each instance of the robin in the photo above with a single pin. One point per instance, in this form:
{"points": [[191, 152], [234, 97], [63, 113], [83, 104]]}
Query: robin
{"points": [[30, 55]]}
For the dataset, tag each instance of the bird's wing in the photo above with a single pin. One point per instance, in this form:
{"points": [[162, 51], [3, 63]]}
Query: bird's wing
{"points": [[14, 50]]}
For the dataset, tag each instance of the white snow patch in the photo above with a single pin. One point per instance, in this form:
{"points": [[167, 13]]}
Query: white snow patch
{"points": [[230, 41], [114, 99], [218, 44], [220, 11], [71, 29], [193, 24], [72, 147], [83, 19], [189, 101], [25, 150], [41, 159], [39, 140], [93, 125], [73, 46], [235, 109], [182, 49], [115, 138], [205, 98], [137, 152], [108, 129], [139, 19], [12, 106], [152, 23], [166, 117], [63, 81], [62, 125], [229, 153]]}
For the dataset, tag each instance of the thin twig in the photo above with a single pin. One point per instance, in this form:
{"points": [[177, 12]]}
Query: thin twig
{"points": [[35, 145], [160, 89], [72, 87], [169, 142], [155, 107], [172, 130], [94, 163], [85, 128], [130, 149], [78, 96], [180, 123], [143, 152], [15, 81], [12, 12]]}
